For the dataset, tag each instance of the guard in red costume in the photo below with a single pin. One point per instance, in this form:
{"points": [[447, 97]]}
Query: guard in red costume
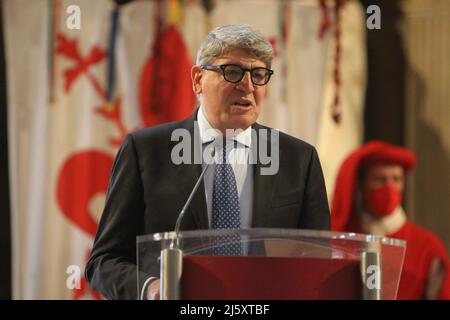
{"points": [[368, 199]]}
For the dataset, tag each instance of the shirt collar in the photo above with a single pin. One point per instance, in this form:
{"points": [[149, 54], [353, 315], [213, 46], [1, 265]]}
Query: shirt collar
{"points": [[208, 134]]}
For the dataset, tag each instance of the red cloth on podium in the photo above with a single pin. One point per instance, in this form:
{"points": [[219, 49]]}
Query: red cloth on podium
{"points": [[269, 278]]}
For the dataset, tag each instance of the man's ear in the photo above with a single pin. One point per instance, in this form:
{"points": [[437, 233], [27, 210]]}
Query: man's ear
{"points": [[196, 76]]}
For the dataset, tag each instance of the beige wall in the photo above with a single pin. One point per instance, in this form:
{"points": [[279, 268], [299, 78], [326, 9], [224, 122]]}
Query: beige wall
{"points": [[426, 29]]}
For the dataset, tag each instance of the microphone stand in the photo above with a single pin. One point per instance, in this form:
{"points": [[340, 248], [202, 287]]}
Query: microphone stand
{"points": [[172, 257]]}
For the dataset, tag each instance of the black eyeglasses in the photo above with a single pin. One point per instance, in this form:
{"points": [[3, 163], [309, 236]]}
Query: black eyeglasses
{"points": [[234, 73]]}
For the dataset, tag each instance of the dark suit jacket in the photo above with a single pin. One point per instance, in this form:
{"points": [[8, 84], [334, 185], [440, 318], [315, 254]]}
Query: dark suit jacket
{"points": [[147, 191]]}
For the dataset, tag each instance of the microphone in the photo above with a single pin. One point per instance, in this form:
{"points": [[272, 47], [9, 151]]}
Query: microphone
{"points": [[172, 257], [191, 196], [194, 190]]}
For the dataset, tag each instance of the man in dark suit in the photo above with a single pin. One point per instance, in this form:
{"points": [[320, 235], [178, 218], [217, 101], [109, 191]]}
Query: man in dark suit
{"points": [[149, 185]]}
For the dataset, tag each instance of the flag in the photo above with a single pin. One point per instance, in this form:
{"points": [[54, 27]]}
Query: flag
{"points": [[84, 130], [305, 64], [335, 141]]}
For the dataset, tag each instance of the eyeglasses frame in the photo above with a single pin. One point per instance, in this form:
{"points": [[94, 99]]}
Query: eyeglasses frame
{"points": [[223, 66]]}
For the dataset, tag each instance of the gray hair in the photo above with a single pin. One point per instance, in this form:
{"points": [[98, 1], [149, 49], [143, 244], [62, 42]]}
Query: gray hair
{"points": [[234, 36]]}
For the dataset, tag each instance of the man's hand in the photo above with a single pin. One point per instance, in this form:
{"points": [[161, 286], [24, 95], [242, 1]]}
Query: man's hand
{"points": [[153, 290]]}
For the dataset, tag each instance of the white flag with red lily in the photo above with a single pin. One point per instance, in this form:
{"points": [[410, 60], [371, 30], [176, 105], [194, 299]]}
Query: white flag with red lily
{"points": [[85, 130]]}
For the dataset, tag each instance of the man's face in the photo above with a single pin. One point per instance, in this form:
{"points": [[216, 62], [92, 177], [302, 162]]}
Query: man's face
{"points": [[380, 175], [229, 105]]}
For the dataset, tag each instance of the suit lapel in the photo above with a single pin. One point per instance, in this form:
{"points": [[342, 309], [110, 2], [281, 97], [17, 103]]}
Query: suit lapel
{"points": [[262, 184], [187, 175]]}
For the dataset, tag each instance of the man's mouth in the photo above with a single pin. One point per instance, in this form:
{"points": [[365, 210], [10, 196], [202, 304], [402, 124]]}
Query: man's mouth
{"points": [[242, 103]]}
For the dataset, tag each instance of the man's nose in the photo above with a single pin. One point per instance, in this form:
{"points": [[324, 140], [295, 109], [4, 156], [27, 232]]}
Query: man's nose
{"points": [[246, 83]]}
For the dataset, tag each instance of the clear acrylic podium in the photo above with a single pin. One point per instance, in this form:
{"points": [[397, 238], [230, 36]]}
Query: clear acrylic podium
{"points": [[274, 264]]}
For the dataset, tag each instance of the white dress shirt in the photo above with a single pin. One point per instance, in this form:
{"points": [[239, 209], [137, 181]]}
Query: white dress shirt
{"points": [[239, 161]]}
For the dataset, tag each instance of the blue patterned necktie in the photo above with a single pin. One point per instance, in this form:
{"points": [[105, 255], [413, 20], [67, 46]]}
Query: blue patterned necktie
{"points": [[226, 212]]}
